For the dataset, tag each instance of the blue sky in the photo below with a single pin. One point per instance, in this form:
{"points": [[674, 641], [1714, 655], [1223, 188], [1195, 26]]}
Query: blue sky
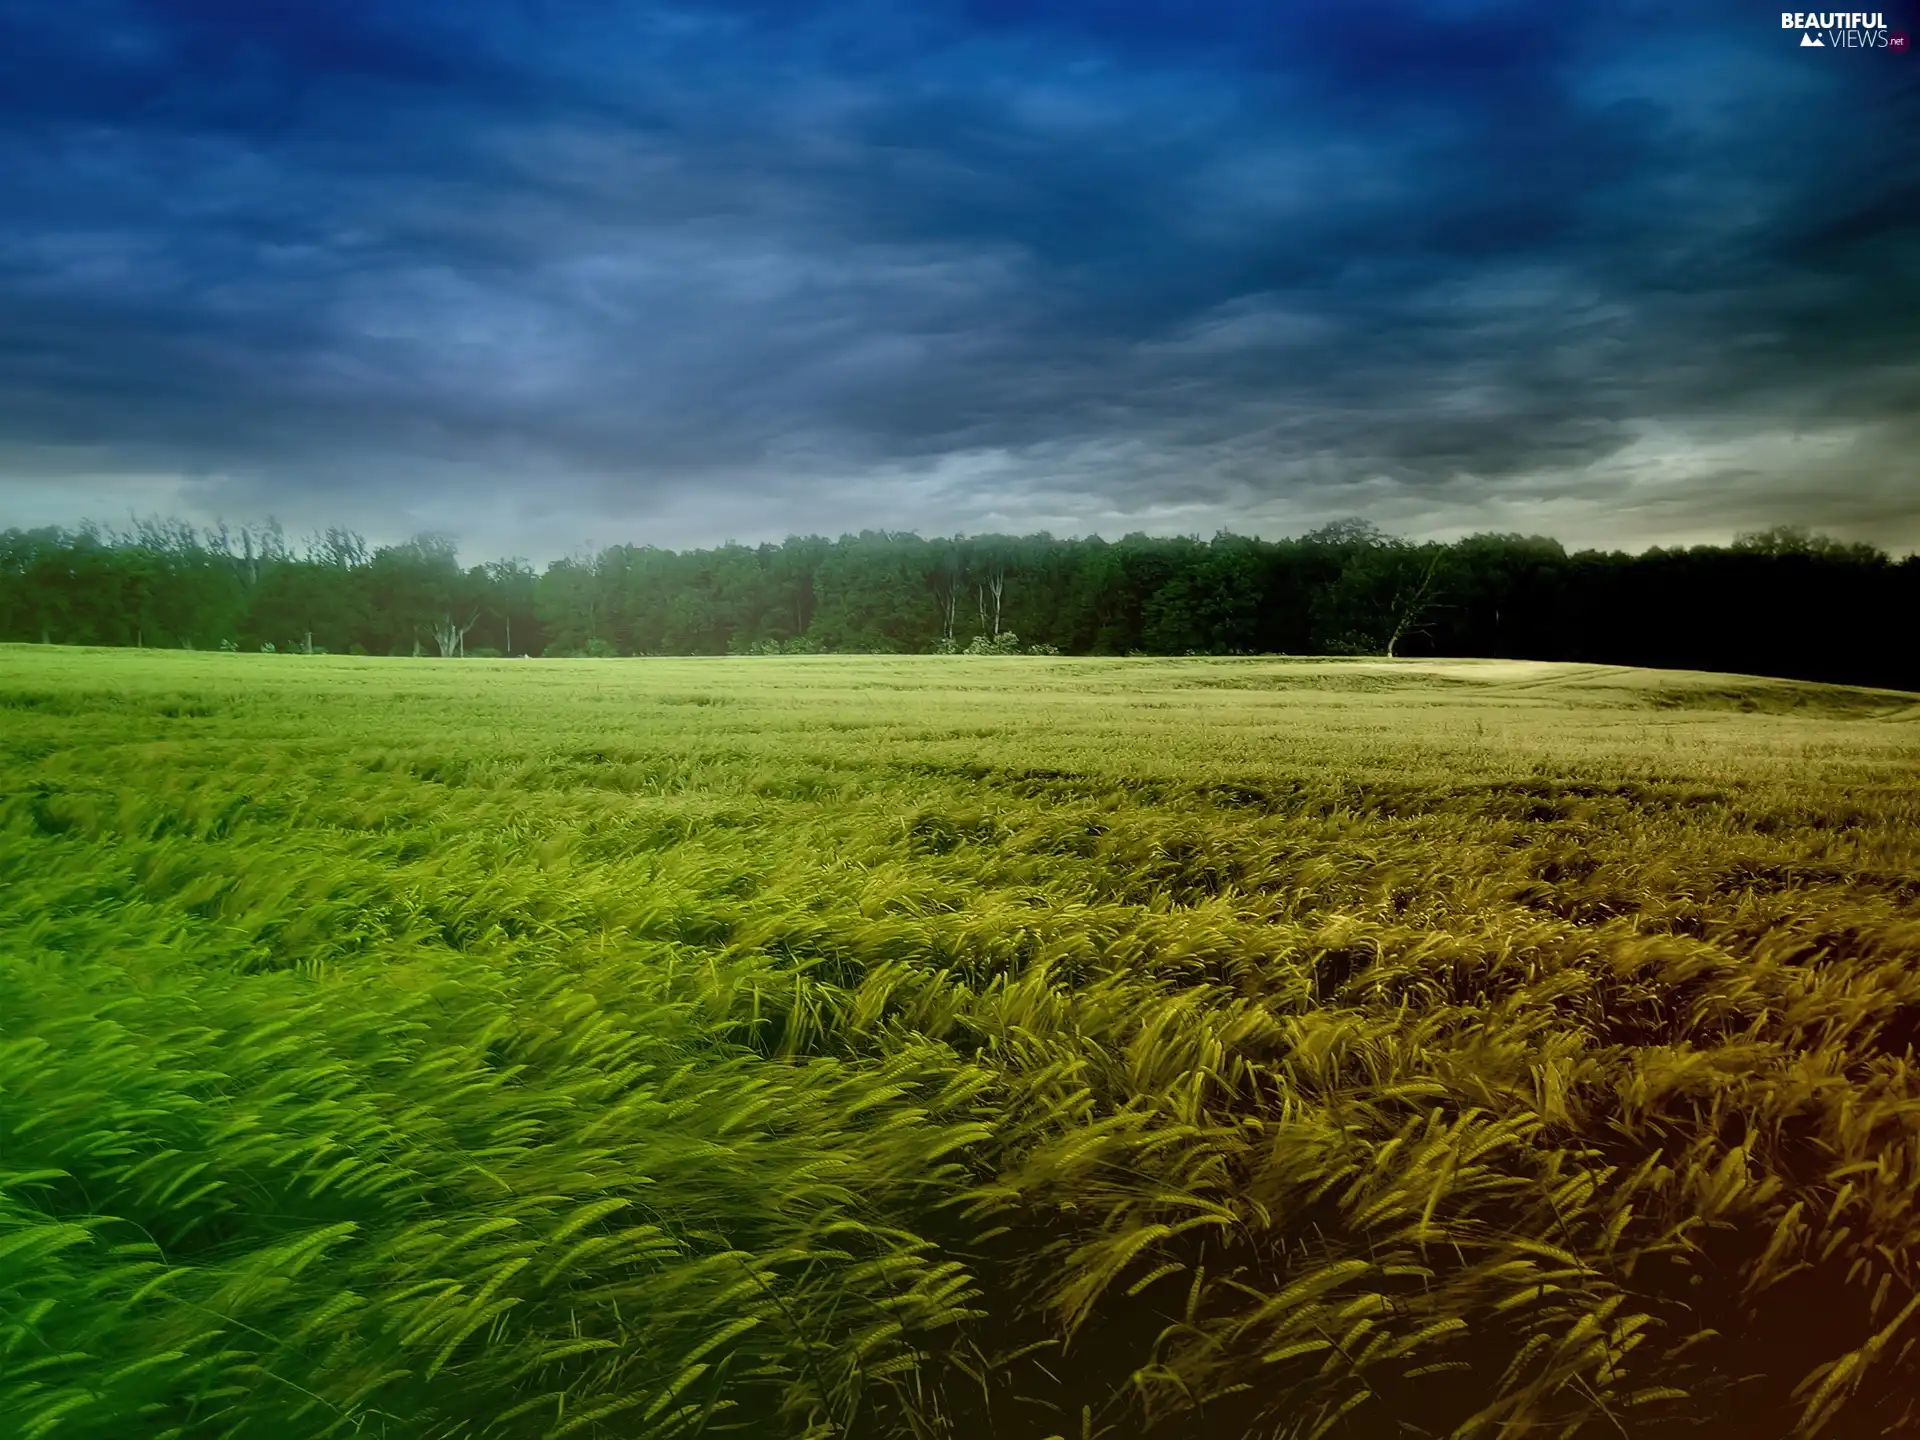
{"points": [[546, 274]]}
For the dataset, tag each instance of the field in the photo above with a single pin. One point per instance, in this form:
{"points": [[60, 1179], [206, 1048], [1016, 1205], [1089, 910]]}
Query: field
{"points": [[852, 1049]]}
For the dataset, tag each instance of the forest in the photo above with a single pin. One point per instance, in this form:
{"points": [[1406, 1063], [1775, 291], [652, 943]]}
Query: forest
{"points": [[1781, 602]]}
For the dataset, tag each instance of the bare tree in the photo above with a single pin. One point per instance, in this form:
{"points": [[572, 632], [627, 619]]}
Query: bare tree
{"points": [[949, 600], [949, 583], [1413, 602], [505, 615], [1387, 593], [452, 638], [990, 582]]}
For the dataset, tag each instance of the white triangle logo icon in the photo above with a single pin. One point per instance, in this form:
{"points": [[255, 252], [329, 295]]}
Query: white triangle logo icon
{"points": [[1807, 42]]}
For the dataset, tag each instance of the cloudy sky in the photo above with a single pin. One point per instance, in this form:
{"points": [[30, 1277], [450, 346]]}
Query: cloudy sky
{"points": [[546, 273]]}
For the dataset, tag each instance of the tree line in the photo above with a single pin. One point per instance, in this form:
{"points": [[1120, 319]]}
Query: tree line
{"points": [[1781, 602]]}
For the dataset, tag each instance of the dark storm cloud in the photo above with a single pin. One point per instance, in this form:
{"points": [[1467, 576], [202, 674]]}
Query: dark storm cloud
{"points": [[546, 272]]}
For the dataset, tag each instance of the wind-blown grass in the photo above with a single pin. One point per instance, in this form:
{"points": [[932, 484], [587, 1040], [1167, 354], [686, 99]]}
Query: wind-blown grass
{"points": [[953, 1047]]}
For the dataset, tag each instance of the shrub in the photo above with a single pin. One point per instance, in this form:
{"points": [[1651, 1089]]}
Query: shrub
{"points": [[1005, 643]]}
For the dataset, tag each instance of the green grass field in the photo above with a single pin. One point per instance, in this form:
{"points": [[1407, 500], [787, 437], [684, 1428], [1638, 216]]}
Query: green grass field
{"points": [[854, 1048]]}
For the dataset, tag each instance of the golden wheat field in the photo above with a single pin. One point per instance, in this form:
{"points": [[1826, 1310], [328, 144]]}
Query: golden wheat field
{"points": [[830, 1048]]}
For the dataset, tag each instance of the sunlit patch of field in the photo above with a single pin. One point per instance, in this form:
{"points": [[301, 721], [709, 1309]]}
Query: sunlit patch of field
{"points": [[953, 1047]]}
